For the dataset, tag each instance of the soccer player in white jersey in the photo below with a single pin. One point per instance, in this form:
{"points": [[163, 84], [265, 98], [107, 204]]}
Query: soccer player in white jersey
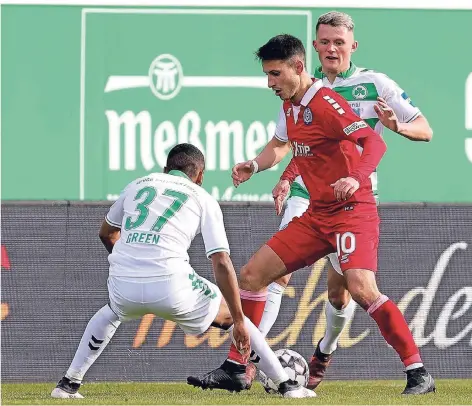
{"points": [[381, 103], [148, 232]]}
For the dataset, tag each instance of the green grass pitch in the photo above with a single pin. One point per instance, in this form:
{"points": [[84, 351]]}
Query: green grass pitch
{"points": [[449, 392]]}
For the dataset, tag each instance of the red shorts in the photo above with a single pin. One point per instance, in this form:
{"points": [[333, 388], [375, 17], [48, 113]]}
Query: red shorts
{"points": [[353, 235]]}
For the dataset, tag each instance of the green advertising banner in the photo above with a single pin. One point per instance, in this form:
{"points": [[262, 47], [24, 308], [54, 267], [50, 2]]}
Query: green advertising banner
{"points": [[95, 97]]}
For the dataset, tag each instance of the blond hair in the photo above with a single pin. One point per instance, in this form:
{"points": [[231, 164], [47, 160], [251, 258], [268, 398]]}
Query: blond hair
{"points": [[336, 19]]}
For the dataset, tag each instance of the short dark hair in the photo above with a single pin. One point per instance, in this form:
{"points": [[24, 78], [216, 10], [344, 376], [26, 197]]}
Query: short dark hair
{"points": [[186, 158], [281, 47]]}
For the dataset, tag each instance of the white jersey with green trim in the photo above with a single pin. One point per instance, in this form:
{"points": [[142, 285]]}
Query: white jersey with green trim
{"points": [[361, 87], [159, 215]]}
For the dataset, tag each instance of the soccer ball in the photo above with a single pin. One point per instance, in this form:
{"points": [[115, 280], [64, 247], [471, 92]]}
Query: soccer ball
{"points": [[295, 366]]}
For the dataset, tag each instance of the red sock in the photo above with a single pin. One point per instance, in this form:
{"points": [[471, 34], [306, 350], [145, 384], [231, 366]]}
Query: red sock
{"points": [[253, 304], [394, 329]]}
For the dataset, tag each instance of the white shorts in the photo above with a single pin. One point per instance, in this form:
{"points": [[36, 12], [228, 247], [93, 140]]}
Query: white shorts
{"points": [[185, 298], [295, 207]]}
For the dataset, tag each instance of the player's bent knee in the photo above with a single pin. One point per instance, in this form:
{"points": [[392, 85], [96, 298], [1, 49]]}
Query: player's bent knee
{"points": [[362, 286], [361, 300], [251, 279], [338, 294], [339, 297], [284, 280], [264, 267], [365, 298]]}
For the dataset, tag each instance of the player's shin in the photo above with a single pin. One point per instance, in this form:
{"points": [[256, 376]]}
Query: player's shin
{"points": [[264, 357], [253, 304], [336, 320], [100, 329], [395, 330], [272, 307]]}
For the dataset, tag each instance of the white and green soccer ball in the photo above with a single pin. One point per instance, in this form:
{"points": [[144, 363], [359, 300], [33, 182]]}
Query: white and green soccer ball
{"points": [[294, 365]]}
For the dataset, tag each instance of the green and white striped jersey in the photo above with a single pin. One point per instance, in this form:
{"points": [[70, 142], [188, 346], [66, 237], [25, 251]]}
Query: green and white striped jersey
{"points": [[361, 87]]}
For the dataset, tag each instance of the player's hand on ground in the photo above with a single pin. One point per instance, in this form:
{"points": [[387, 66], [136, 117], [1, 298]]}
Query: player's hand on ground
{"points": [[386, 115], [241, 339], [242, 172], [279, 193], [344, 188]]}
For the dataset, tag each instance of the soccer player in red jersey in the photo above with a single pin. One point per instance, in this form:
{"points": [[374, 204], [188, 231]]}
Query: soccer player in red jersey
{"points": [[382, 104], [342, 217]]}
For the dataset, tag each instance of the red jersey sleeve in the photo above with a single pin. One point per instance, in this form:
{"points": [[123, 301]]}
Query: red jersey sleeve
{"points": [[341, 123], [290, 172]]}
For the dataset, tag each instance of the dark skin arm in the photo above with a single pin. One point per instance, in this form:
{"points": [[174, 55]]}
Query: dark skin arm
{"points": [[226, 280], [109, 235]]}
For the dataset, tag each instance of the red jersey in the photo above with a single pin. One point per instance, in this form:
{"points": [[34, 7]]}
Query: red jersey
{"points": [[291, 172], [324, 132]]}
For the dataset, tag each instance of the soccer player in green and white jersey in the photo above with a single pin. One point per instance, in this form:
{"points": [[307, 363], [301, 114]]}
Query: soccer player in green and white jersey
{"points": [[381, 103], [147, 233]]}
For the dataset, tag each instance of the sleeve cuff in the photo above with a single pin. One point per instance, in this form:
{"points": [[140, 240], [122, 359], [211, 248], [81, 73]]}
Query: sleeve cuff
{"points": [[280, 139], [112, 223], [414, 117], [356, 177], [287, 178], [215, 250]]}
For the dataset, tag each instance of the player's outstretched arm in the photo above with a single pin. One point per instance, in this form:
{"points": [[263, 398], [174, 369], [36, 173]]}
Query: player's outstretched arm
{"points": [[217, 249], [415, 130], [225, 278], [271, 155], [109, 235], [397, 112]]}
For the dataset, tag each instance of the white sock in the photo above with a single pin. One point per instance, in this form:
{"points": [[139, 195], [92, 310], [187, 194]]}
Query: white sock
{"points": [[265, 359], [414, 366], [335, 322], [99, 331], [272, 307]]}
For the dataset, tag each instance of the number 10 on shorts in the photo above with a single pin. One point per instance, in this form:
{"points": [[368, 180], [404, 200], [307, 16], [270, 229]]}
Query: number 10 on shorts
{"points": [[345, 244]]}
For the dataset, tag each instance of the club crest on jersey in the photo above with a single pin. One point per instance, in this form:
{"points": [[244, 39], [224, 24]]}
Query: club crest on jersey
{"points": [[359, 92], [307, 116], [289, 110], [300, 149]]}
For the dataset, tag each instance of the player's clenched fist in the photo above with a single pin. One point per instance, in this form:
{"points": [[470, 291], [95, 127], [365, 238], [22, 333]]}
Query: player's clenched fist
{"points": [[344, 188], [242, 172]]}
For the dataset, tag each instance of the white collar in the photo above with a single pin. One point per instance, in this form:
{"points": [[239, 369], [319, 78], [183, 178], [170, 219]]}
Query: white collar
{"points": [[310, 93]]}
